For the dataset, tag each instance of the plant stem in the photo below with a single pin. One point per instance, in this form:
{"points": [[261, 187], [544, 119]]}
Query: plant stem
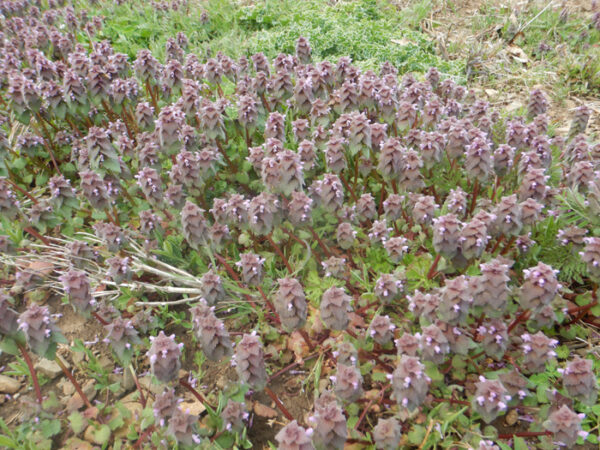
{"points": [[282, 408], [318, 239], [508, 245], [99, 318], [352, 194], [194, 392], [50, 145], [295, 364], [498, 242], [301, 242], [432, 272], [137, 385], [306, 338], [73, 381], [581, 311], [34, 378], [151, 93], [452, 401], [474, 196], [22, 191], [269, 304], [359, 311], [37, 235], [520, 318], [143, 436], [525, 434], [364, 413], [280, 253]]}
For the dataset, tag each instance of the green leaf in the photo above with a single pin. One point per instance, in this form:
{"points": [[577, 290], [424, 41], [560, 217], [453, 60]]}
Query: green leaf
{"points": [[541, 393], [8, 345], [519, 443], [379, 376], [416, 435], [147, 418], [77, 421], [452, 418], [102, 434], [50, 428], [117, 422], [5, 441], [225, 440]]}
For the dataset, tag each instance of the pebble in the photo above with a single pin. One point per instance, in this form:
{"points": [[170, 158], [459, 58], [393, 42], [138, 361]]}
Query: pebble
{"points": [[9, 385], [146, 383], [193, 407], [50, 368]]}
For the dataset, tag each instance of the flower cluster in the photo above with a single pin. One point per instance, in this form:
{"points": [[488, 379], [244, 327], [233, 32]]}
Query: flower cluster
{"points": [[164, 356], [210, 332], [250, 361]]}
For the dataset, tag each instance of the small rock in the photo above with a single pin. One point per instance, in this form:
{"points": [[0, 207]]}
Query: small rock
{"points": [[146, 383], [9, 385], [193, 407], [127, 382], [50, 368], [76, 402], [512, 417], [67, 387], [78, 444], [132, 397], [222, 381], [264, 410], [323, 384], [106, 362]]}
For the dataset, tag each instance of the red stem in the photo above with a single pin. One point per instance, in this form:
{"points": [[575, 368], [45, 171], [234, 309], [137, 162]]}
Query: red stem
{"points": [[280, 253], [367, 307], [34, 378], [295, 364], [22, 191], [520, 318], [143, 436], [582, 311], [139, 388], [525, 434], [452, 401], [432, 273], [37, 235], [269, 304], [498, 242], [282, 408], [194, 392], [151, 93], [49, 146], [474, 196], [99, 318], [318, 239], [352, 194], [74, 382], [306, 338], [508, 245]]}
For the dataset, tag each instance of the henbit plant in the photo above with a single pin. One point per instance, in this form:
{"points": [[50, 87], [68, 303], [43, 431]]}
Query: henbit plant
{"points": [[391, 209]]}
